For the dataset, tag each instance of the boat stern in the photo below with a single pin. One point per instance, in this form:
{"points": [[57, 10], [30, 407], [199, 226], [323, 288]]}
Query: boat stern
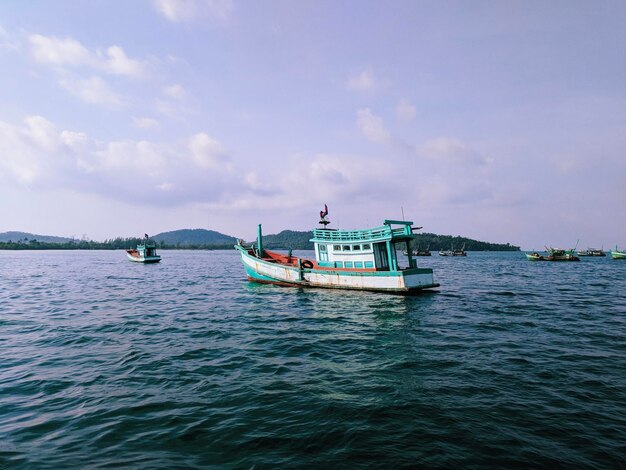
{"points": [[416, 279]]}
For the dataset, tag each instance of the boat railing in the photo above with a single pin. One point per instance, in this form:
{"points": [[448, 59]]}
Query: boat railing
{"points": [[379, 233], [352, 235]]}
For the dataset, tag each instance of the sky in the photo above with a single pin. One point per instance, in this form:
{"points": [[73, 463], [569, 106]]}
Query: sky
{"points": [[503, 121]]}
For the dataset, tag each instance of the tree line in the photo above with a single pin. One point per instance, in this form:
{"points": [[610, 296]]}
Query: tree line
{"points": [[109, 244], [300, 241], [287, 239]]}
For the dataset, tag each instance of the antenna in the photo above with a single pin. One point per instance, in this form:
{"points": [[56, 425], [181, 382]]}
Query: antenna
{"points": [[402, 209]]}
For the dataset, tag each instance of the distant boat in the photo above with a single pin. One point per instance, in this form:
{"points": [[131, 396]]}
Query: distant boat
{"points": [[592, 252], [554, 254], [418, 252], [534, 256], [460, 252], [345, 259], [144, 253], [617, 254], [444, 253], [558, 254]]}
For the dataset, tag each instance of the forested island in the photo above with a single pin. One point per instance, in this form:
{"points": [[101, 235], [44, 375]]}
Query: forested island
{"points": [[300, 241], [200, 239]]}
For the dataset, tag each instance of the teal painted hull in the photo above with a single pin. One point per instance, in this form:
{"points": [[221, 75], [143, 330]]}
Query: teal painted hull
{"points": [[618, 254], [401, 282]]}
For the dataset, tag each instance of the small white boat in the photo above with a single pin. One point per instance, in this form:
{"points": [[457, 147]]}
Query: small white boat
{"points": [[144, 253]]}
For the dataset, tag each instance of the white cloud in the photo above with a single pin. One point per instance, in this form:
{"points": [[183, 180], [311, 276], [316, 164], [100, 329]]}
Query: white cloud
{"points": [[74, 140], [68, 52], [372, 126], [42, 133], [364, 81], [36, 154], [175, 91], [188, 10], [321, 177], [145, 123], [405, 111], [452, 151], [33, 152], [207, 152], [93, 90], [118, 63], [56, 51]]}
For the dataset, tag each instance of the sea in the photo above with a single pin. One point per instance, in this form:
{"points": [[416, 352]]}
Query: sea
{"points": [[186, 364]]}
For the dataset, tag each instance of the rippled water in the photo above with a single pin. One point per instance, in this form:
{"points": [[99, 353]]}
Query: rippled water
{"points": [[186, 364]]}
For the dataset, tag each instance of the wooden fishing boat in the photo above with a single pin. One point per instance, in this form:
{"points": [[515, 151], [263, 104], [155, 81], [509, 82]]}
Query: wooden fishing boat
{"points": [[592, 252], [558, 254], [344, 259], [460, 252], [144, 253], [617, 254], [418, 252]]}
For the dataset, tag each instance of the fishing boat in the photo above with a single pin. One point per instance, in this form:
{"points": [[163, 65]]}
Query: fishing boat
{"points": [[144, 253], [617, 254], [345, 259], [534, 256], [444, 253], [558, 254], [592, 252], [418, 252], [460, 252]]}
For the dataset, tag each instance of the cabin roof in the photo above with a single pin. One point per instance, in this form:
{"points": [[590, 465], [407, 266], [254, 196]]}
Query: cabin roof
{"points": [[383, 233]]}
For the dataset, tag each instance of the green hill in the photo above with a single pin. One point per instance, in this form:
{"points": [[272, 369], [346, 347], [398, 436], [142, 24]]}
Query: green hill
{"points": [[288, 239], [25, 237], [195, 237], [300, 241], [446, 242], [209, 239]]}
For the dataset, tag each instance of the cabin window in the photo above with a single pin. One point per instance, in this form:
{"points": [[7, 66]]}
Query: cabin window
{"points": [[356, 247], [367, 247], [369, 264], [339, 264], [337, 248], [346, 247], [347, 264], [322, 247], [358, 264]]}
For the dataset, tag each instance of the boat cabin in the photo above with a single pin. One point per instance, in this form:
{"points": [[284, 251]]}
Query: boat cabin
{"points": [[147, 250], [374, 249]]}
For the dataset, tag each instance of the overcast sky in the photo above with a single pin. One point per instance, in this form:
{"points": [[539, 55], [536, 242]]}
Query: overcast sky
{"points": [[503, 121]]}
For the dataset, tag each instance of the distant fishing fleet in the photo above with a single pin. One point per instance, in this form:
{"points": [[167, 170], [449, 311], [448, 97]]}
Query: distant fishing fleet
{"points": [[559, 254], [365, 259]]}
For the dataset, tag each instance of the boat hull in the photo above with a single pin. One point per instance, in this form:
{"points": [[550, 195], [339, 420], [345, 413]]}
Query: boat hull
{"points": [[618, 254], [142, 259], [407, 281]]}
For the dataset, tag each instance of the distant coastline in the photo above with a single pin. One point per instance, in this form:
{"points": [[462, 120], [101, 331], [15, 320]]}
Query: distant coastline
{"points": [[201, 239]]}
